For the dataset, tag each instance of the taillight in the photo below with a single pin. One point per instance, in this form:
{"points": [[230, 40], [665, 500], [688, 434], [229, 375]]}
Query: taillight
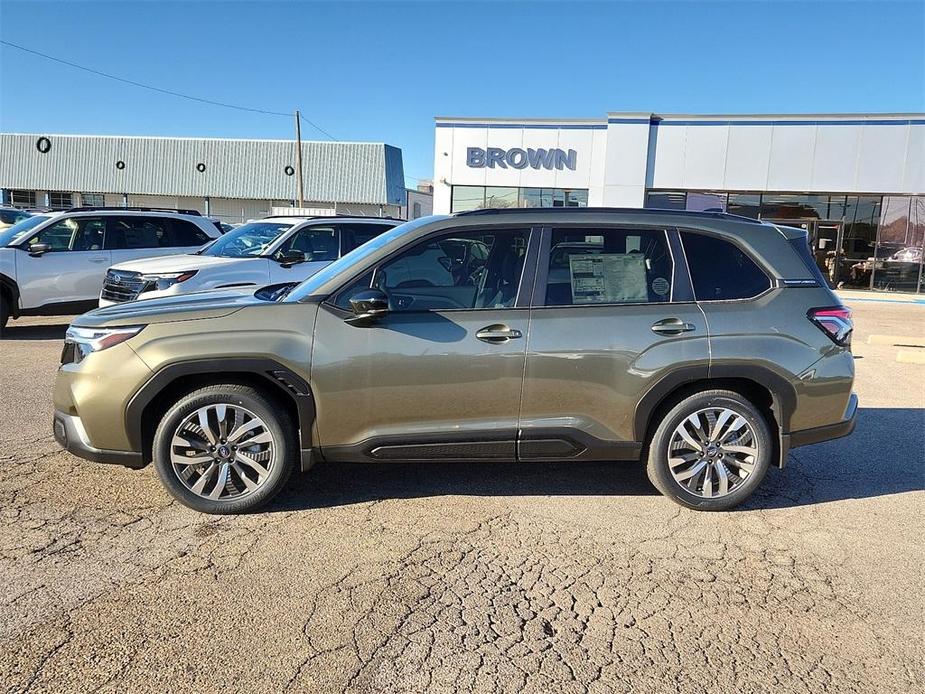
{"points": [[834, 321]]}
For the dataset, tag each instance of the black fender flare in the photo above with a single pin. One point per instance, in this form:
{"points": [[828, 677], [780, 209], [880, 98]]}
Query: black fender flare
{"points": [[281, 378], [783, 394]]}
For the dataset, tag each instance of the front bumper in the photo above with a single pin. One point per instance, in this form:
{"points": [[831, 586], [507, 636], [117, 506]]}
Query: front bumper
{"points": [[71, 436], [829, 431]]}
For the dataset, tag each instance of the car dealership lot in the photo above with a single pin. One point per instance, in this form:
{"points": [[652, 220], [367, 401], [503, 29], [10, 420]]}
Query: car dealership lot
{"points": [[446, 577]]}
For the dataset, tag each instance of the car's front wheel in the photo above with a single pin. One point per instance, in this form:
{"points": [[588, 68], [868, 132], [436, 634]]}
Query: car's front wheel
{"points": [[225, 448], [710, 451]]}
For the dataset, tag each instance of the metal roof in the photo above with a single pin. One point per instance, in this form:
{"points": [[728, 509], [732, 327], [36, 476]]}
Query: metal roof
{"points": [[349, 172]]}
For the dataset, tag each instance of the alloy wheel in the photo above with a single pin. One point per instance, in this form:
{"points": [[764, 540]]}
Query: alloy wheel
{"points": [[222, 452], [712, 452]]}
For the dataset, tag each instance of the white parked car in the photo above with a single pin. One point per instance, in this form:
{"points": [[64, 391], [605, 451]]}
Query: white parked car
{"points": [[266, 251], [54, 263]]}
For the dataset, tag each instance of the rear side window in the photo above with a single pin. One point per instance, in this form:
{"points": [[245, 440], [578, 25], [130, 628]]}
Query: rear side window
{"points": [[137, 232], [720, 271], [187, 234], [608, 266], [354, 235]]}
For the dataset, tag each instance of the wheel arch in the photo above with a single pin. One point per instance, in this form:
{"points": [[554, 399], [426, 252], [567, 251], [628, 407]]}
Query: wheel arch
{"points": [[168, 384], [10, 291], [767, 390]]}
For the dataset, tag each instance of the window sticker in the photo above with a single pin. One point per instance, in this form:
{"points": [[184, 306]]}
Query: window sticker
{"points": [[608, 278]]}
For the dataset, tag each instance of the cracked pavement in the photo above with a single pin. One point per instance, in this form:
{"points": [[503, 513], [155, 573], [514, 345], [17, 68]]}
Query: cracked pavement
{"points": [[572, 577]]}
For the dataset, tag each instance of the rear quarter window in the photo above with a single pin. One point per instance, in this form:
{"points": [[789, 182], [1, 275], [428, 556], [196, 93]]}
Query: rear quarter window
{"points": [[721, 271]]}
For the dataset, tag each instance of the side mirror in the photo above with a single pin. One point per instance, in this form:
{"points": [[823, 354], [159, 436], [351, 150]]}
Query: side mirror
{"points": [[292, 258], [38, 249], [368, 305]]}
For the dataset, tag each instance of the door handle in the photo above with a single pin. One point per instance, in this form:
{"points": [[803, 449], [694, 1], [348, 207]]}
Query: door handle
{"points": [[98, 260], [497, 333], [672, 326]]}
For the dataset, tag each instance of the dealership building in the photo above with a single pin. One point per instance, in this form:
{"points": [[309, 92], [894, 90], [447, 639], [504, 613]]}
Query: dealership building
{"points": [[233, 180], [855, 182]]}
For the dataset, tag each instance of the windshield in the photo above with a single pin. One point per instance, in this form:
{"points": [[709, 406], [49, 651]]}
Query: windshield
{"points": [[15, 232], [247, 240], [357, 255]]}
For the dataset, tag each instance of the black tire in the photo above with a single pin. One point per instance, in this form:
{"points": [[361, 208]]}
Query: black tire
{"points": [[282, 460], [659, 470], [4, 314]]}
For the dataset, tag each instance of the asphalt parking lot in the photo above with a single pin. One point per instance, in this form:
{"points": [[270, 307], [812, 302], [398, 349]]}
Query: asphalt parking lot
{"points": [[428, 578]]}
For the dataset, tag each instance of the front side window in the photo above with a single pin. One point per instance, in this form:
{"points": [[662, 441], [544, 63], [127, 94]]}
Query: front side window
{"points": [[317, 243], [608, 266], [467, 270], [137, 232], [720, 270], [72, 234], [247, 240]]}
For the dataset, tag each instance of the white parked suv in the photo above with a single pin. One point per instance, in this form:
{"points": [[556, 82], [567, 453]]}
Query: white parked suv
{"points": [[54, 263], [267, 251]]}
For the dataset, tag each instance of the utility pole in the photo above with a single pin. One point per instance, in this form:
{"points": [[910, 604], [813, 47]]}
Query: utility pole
{"points": [[298, 158]]}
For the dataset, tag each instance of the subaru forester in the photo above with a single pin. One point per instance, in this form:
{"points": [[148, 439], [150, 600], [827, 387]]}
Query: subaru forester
{"points": [[704, 344]]}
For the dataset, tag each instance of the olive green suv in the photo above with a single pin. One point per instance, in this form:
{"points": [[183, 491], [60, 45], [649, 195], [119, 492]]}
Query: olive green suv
{"points": [[706, 344]]}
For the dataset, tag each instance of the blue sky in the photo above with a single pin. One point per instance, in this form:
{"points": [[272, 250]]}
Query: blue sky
{"points": [[381, 71]]}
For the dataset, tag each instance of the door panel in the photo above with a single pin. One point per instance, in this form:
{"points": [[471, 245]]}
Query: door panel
{"points": [[588, 367], [615, 318], [73, 268], [60, 277], [422, 380]]}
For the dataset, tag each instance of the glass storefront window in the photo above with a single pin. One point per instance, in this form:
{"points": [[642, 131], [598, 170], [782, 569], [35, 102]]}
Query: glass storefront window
{"points": [[706, 202], [837, 207], [500, 197], [576, 198], [667, 200], [467, 198], [744, 204], [531, 197], [776, 206], [899, 247]]}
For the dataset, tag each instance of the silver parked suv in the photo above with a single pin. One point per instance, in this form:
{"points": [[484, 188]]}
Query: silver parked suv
{"points": [[54, 263]]}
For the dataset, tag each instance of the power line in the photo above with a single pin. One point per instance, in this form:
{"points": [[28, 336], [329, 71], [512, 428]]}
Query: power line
{"points": [[317, 127], [161, 90]]}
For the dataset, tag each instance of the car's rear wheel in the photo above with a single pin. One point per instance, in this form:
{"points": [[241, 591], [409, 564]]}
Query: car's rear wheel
{"points": [[710, 451], [225, 449]]}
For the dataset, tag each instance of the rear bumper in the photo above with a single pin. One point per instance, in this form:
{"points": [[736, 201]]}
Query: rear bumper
{"points": [[830, 431], [71, 436]]}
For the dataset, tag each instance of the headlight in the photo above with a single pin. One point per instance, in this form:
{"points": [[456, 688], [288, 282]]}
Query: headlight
{"points": [[166, 280], [87, 340]]}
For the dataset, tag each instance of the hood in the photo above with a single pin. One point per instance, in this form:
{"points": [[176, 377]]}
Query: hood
{"points": [[177, 263], [209, 304]]}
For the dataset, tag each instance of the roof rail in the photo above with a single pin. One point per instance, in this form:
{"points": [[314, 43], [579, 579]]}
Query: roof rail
{"points": [[598, 210], [334, 216], [90, 208]]}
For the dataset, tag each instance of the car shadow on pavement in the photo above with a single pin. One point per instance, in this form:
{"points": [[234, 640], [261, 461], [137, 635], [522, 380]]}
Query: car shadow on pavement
{"points": [[341, 484], [885, 455], [50, 331]]}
